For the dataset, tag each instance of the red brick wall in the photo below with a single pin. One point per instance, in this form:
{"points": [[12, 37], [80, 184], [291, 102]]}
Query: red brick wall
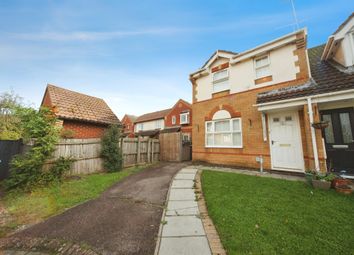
{"points": [[84, 129], [176, 111], [128, 126], [238, 104]]}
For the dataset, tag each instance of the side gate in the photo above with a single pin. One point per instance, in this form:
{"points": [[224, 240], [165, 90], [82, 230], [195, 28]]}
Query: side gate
{"points": [[8, 149], [172, 148]]}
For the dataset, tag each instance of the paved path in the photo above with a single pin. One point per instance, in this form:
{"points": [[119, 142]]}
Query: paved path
{"points": [[182, 230], [123, 220]]}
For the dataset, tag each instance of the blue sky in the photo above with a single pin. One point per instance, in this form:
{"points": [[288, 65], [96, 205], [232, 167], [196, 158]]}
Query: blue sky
{"points": [[137, 54]]}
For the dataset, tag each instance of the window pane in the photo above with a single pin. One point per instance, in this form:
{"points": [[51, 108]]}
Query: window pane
{"points": [[236, 125], [220, 75], [209, 127], [346, 127], [262, 71], [236, 139], [220, 86], [222, 126], [209, 140], [223, 140], [329, 130], [262, 61]]}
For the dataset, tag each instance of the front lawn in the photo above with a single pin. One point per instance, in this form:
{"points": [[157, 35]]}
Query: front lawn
{"points": [[257, 215], [28, 208]]}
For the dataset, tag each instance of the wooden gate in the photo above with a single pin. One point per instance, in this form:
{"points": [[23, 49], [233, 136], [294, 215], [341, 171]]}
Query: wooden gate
{"points": [[8, 149], [172, 148]]}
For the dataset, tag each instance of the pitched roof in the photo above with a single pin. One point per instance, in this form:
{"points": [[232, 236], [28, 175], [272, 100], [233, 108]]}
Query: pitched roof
{"points": [[344, 23], [72, 105], [153, 116], [131, 117], [326, 75]]}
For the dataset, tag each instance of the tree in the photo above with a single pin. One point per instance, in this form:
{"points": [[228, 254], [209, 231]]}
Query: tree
{"points": [[111, 152], [9, 122]]}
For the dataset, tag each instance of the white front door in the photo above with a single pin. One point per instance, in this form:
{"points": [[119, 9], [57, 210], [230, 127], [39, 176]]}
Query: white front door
{"points": [[285, 141]]}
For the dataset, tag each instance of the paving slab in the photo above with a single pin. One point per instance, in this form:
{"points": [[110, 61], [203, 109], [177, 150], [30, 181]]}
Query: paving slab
{"points": [[189, 170], [182, 184], [185, 176], [182, 194], [185, 245], [182, 226], [175, 208]]}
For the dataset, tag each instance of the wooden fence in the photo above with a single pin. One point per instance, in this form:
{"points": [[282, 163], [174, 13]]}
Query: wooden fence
{"points": [[86, 153], [173, 148]]}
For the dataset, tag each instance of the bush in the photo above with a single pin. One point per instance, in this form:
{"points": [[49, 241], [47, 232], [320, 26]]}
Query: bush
{"points": [[111, 152], [67, 133], [26, 171]]}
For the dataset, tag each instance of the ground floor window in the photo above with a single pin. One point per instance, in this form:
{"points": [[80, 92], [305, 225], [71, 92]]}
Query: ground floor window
{"points": [[225, 133]]}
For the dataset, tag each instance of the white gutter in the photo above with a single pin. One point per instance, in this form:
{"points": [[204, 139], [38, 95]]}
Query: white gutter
{"points": [[313, 135]]}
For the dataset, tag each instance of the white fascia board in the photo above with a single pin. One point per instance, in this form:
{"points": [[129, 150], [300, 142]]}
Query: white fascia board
{"points": [[289, 38]]}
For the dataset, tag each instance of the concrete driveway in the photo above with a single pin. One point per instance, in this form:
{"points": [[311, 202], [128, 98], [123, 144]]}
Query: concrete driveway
{"points": [[123, 220]]}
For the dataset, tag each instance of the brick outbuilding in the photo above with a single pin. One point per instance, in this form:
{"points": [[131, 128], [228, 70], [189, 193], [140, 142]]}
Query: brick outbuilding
{"points": [[86, 116]]}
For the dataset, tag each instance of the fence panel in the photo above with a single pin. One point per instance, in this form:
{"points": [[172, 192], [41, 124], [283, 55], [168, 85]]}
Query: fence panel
{"points": [[86, 153], [171, 146], [8, 149]]}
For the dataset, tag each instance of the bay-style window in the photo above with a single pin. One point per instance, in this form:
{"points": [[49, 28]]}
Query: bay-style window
{"points": [[262, 66], [221, 81], [224, 133]]}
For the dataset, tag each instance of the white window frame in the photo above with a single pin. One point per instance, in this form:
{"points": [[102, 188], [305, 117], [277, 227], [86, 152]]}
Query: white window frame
{"points": [[140, 127], [187, 118], [259, 67], [218, 81], [158, 124], [174, 119], [227, 132], [184, 135]]}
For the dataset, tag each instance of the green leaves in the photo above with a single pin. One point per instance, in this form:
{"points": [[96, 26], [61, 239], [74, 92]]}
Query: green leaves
{"points": [[111, 152], [39, 128]]}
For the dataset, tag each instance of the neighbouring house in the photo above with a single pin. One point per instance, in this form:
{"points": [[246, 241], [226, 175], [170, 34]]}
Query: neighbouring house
{"points": [[128, 125], [84, 116], [175, 119], [271, 103]]}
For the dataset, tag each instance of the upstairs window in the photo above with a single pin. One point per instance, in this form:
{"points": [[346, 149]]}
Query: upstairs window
{"points": [[262, 66], [140, 127], [158, 124], [221, 80], [173, 120], [184, 118]]}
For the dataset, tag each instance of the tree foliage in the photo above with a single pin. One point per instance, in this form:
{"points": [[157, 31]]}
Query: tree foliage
{"points": [[9, 122], [111, 152], [38, 127]]}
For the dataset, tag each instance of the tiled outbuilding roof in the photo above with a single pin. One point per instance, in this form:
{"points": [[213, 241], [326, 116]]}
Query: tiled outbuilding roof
{"points": [[327, 77], [152, 116], [72, 105]]}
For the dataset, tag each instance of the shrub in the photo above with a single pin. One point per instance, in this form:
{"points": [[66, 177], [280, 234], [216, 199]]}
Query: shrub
{"points": [[111, 152], [26, 171]]}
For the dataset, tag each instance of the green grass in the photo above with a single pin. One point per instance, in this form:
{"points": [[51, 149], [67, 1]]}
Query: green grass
{"points": [[29, 208], [257, 215]]}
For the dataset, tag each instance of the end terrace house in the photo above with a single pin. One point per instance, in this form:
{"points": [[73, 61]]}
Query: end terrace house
{"points": [[85, 116], [291, 106]]}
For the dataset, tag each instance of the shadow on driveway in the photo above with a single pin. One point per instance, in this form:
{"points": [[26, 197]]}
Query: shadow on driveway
{"points": [[125, 219]]}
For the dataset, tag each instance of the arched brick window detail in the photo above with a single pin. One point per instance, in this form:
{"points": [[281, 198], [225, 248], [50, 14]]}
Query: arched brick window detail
{"points": [[226, 107]]}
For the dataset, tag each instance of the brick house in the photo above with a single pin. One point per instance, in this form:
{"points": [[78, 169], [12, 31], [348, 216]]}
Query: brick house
{"points": [[266, 102], [128, 125], [86, 116], [175, 119]]}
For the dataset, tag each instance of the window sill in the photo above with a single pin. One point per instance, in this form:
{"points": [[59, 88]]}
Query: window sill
{"points": [[263, 79], [221, 93], [224, 147]]}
